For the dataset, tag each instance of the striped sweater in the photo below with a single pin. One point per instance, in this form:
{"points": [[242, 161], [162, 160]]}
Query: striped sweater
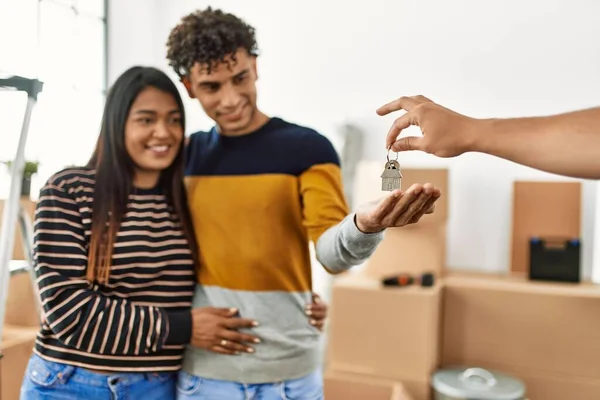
{"points": [[257, 201], [140, 320]]}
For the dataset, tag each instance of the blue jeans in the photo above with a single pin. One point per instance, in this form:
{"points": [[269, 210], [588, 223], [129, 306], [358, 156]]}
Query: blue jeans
{"points": [[191, 387], [47, 380]]}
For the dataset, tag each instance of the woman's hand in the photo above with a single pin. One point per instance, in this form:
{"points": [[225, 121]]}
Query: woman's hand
{"points": [[317, 312], [215, 329]]}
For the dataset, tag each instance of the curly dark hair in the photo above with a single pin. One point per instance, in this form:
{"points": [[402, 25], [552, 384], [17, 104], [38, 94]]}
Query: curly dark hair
{"points": [[207, 37]]}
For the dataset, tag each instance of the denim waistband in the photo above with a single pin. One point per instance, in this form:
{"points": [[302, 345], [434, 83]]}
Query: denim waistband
{"points": [[66, 372]]}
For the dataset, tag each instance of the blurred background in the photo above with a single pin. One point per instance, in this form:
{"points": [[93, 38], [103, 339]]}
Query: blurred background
{"points": [[329, 65], [325, 64]]}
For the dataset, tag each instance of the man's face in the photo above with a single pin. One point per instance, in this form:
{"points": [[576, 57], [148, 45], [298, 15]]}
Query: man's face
{"points": [[228, 93]]}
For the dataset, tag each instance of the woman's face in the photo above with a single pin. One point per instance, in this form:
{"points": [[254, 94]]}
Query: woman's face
{"points": [[153, 134]]}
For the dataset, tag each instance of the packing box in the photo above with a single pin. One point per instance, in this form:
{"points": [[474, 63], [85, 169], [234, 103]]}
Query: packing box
{"points": [[345, 386], [21, 326], [543, 333], [411, 249], [21, 305], [391, 333], [543, 209], [29, 207], [16, 347]]}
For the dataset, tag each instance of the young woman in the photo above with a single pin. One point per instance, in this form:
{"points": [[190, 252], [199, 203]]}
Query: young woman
{"points": [[115, 254]]}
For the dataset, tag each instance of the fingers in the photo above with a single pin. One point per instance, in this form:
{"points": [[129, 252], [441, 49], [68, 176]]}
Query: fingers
{"points": [[223, 350], [316, 298], [428, 208], [389, 215], [222, 312], [317, 312], [387, 204], [402, 103], [411, 208], [233, 341], [424, 203], [399, 125], [317, 317], [408, 143], [238, 337], [411, 117], [239, 323], [318, 324]]}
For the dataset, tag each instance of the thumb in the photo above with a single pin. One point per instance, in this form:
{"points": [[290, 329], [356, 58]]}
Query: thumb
{"points": [[408, 143]]}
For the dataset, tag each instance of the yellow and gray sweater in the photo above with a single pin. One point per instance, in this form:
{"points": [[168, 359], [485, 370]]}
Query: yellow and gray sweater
{"points": [[256, 202]]}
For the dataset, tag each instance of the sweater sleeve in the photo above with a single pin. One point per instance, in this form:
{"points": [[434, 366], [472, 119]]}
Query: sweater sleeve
{"points": [[339, 244], [79, 315]]}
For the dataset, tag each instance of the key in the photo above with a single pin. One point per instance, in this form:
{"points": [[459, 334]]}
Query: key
{"points": [[391, 178]]}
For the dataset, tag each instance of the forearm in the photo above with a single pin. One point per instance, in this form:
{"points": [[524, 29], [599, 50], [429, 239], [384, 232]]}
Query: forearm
{"points": [[343, 246], [119, 327], [566, 144], [80, 316]]}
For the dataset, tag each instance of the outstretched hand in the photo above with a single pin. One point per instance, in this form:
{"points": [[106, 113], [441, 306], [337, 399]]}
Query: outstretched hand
{"points": [[398, 208], [445, 133]]}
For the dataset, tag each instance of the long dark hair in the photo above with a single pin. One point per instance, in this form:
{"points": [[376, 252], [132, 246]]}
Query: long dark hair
{"points": [[115, 168]]}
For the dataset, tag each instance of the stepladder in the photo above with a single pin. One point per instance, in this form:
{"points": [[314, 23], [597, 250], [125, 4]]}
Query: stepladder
{"points": [[13, 213]]}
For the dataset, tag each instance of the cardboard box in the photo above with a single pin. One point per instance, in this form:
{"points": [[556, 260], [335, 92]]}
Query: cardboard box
{"points": [[340, 386], [29, 207], [543, 385], [411, 249], [21, 306], [545, 329], [17, 345], [543, 209], [384, 332]]}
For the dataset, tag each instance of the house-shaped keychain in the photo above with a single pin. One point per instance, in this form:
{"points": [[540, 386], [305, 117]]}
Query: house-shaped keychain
{"points": [[391, 178]]}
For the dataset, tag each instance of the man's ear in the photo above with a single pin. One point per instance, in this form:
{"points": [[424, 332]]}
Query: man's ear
{"points": [[254, 68], [188, 87]]}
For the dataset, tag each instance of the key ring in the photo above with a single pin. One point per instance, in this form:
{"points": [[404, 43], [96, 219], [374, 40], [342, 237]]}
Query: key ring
{"points": [[388, 155]]}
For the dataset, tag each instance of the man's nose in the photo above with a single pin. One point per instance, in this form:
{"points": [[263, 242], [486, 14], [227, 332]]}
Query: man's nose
{"points": [[231, 98]]}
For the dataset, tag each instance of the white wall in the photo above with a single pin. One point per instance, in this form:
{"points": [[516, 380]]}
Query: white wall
{"points": [[325, 62]]}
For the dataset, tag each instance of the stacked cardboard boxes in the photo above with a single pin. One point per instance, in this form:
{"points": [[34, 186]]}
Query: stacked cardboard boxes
{"points": [[539, 332], [545, 334], [391, 335], [542, 333], [21, 323]]}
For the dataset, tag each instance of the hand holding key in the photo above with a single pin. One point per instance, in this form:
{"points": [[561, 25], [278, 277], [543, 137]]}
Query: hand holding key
{"points": [[398, 208], [215, 329]]}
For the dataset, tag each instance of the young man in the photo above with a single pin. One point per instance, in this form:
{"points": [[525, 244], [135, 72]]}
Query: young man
{"points": [[260, 188]]}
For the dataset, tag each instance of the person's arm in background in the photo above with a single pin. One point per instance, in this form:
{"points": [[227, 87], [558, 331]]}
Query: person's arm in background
{"points": [[566, 144], [79, 316], [343, 239]]}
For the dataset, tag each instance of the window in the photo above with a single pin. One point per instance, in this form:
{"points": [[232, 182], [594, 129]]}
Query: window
{"points": [[63, 43]]}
